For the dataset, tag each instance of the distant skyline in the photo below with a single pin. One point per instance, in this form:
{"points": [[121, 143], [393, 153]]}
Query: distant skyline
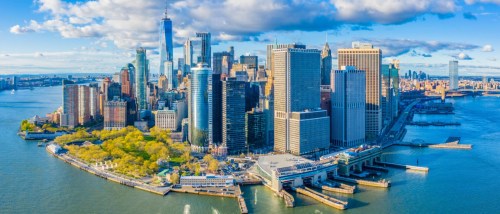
{"points": [[54, 36]]}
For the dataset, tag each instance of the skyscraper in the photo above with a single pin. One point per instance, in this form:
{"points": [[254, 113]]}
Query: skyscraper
{"points": [[326, 64], [390, 90], [69, 116], [166, 51], [94, 101], [222, 62], [233, 115], [215, 109], [200, 97], [206, 48], [192, 53], [348, 102], [453, 66], [126, 84], [251, 61], [364, 57], [141, 79], [255, 128], [300, 126], [83, 104]]}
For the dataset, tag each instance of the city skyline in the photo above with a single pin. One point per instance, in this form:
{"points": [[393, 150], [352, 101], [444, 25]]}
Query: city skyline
{"points": [[71, 37]]}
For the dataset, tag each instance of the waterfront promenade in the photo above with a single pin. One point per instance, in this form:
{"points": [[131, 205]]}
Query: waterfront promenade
{"points": [[109, 175]]}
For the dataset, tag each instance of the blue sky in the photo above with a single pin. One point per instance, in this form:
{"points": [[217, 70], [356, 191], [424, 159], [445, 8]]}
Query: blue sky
{"points": [[51, 36]]}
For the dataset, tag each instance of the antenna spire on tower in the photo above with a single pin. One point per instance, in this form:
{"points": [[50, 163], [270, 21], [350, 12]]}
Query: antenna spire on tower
{"points": [[166, 6]]}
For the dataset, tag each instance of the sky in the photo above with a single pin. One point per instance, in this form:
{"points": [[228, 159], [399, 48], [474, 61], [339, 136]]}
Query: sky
{"points": [[70, 36]]}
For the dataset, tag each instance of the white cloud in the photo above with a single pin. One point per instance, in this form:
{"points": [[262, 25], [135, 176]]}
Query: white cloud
{"points": [[482, 1], [488, 48], [463, 56], [129, 24]]}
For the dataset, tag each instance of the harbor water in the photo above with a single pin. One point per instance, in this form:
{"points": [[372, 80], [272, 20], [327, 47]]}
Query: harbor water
{"points": [[459, 181]]}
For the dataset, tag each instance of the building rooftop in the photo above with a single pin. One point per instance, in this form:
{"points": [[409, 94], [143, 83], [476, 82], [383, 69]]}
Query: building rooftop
{"points": [[272, 162]]}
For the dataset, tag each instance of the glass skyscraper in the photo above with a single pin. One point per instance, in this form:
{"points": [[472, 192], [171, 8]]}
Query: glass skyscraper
{"points": [[166, 52], [453, 66], [141, 79], [200, 98]]}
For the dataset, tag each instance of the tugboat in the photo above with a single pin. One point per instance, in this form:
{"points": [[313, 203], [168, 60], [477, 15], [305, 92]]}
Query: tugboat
{"points": [[40, 144]]}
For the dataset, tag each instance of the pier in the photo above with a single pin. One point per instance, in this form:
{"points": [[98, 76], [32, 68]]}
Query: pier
{"points": [[242, 205], [400, 166], [452, 143], [381, 184], [330, 201], [335, 187]]}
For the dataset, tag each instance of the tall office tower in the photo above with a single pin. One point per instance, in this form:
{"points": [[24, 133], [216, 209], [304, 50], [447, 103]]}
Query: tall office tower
{"points": [[200, 98], [181, 65], [167, 51], [453, 75], [163, 83], [192, 53], [222, 62], [233, 115], [251, 61], [131, 74], [141, 79], [94, 101], [270, 56], [105, 86], [215, 110], [115, 114], [114, 90], [348, 107], [83, 104], [390, 91], [231, 52], [126, 84], [69, 115], [364, 57], [326, 64], [206, 48], [300, 126], [255, 128]]}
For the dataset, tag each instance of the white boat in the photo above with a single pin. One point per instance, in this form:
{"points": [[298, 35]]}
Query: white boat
{"points": [[13, 91]]}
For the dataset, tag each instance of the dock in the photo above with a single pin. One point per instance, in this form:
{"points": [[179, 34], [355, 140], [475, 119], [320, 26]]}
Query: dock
{"points": [[377, 168], [451, 143], [401, 166], [110, 176], [381, 184], [330, 201], [335, 187], [242, 205]]}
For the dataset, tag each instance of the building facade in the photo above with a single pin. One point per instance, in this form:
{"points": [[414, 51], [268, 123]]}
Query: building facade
{"points": [[326, 64], [255, 128], [233, 115], [141, 79], [348, 102], [83, 104], [115, 114], [453, 67], [200, 99], [300, 126], [364, 57], [69, 115], [167, 51]]}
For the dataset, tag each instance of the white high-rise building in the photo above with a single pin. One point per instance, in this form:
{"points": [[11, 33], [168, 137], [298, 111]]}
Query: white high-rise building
{"points": [[300, 126], [453, 75], [348, 107]]}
